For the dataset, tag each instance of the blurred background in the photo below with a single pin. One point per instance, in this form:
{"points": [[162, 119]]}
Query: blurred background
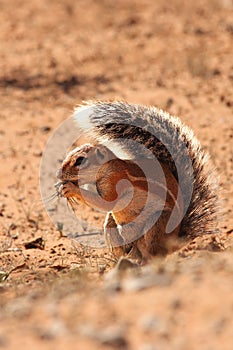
{"points": [[149, 51]]}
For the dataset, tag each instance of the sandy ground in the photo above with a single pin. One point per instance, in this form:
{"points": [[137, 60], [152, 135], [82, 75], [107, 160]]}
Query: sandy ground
{"points": [[54, 54]]}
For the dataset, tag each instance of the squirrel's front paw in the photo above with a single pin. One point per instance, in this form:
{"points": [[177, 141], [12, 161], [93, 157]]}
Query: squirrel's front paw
{"points": [[68, 189]]}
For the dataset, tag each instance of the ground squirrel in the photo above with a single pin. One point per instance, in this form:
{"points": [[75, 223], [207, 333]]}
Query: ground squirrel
{"points": [[147, 171]]}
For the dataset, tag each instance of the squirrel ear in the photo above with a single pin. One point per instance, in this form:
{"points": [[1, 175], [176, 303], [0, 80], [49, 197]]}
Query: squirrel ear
{"points": [[100, 154]]}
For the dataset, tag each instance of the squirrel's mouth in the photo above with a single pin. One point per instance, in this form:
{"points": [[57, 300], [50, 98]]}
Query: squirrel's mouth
{"points": [[91, 187], [73, 182]]}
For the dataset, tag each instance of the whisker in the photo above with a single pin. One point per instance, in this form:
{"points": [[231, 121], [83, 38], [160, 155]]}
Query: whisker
{"points": [[50, 198], [76, 202], [70, 205], [73, 204]]}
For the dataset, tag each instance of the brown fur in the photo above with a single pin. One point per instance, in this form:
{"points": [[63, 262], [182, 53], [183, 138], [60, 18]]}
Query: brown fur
{"points": [[190, 183]]}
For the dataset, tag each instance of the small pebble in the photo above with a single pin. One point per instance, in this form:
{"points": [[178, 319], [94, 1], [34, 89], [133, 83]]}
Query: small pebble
{"points": [[112, 335]]}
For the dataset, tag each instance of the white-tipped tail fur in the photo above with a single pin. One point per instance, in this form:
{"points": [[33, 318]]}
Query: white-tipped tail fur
{"points": [[82, 116]]}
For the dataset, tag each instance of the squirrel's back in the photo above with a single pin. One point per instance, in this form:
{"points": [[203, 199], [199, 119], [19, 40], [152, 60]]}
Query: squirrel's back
{"points": [[134, 131]]}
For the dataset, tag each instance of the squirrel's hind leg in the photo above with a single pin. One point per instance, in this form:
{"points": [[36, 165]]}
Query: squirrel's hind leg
{"points": [[156, 241]]}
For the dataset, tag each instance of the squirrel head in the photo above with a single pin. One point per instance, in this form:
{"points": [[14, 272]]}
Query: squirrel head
{"points": [[97, 165], [82, 163]]}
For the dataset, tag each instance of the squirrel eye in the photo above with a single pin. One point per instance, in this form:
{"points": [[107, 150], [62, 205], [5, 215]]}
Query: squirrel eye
{"points": [[79, 161]]}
